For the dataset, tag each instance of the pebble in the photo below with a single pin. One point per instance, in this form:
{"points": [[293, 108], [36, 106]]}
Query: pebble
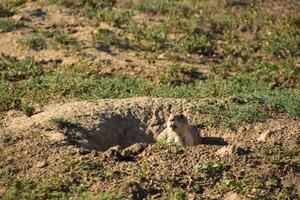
{"points": [[42, 164]]}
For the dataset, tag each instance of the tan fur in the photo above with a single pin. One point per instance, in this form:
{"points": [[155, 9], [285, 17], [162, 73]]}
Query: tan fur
{"points": [[179, 132]]}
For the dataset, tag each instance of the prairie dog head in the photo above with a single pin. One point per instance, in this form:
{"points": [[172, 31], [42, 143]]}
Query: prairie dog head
{"points": [[176, 121]]}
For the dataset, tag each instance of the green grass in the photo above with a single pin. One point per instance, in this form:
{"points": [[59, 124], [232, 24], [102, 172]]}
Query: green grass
{"points": [[24, 82], [115, 17], [53, 188], [198, 44], [5, 11], [164, 7], [111, 196], [211, 169], [60, 37], [231, 116], [105, 37], [34, 41], [7, 25]]}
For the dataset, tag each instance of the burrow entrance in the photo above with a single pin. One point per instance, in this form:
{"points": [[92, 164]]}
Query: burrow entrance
{"points": [[109, 132]]}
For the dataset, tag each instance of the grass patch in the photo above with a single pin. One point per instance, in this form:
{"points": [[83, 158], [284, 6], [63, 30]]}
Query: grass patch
{"points": [[115, 17], [62, 38], [25, 81], [281, 45], [164, 7], [5, 11], [210, 169], [16, 70], [35, 42], [198, 44], [231, 116], [105, 37], [111, 196], [52, 188], [7, 25]]}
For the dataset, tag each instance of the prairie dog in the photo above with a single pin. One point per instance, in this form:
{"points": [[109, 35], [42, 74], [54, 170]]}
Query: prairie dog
{"points": [[178, 131]]}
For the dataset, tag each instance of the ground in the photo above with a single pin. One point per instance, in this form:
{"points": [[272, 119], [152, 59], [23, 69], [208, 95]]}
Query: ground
{"points": [[84, 86]]}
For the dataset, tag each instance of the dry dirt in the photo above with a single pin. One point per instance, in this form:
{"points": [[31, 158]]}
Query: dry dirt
{"points": [[118, 135], [40, 16]]}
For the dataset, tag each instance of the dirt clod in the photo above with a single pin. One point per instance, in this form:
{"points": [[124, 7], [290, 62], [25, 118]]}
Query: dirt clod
{"points": [[42, 164]]}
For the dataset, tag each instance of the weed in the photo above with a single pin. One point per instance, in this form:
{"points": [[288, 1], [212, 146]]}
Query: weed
{"points": [[232, 115], [115, 17], [164, 7], [174, 193], [64, 38], [27, 109], [111, 196], [7, 139], [179, 73], [85, 3], [7, 25], [13, 69], [198, 44], [34, 42], [59, 121], [5, 11], [211, 169], [16, 3], [149, 37], [105, 37], [283, 46]]}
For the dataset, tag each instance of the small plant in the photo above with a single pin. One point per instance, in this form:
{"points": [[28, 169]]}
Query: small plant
{"points": [[34, 42], [232, 115], [178, 73], [7, 25], [27, 109], [111, 196], [13, 69], [198, 44], [105, 37], [5, 11], [211, 169], [174, 193], [115, 17], [7, 139], [59, 121], [64, 39], [16, 3], [164, 7], [283, 46]]}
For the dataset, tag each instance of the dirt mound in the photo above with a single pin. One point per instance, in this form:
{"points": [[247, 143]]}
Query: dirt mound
{"points": [[102, 124], [110, 145]]}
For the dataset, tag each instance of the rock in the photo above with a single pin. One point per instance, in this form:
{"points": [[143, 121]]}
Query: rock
{"points": [[233, 196], [225, 151], [265, 135], [114, 153], [42, 164], [56, 136], [134, 149], [161, 57], [37, 12], [84, 151]]}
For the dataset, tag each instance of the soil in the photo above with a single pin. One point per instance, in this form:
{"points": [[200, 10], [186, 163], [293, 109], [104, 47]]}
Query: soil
{"points": [[110, 144], [119, 136], [38, 17]]}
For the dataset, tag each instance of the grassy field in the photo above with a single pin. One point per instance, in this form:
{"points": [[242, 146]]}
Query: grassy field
{"points": [[247, 52]]}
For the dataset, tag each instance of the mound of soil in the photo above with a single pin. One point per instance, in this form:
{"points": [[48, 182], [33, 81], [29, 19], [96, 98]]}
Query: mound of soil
{"points": [[119, 135]]}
